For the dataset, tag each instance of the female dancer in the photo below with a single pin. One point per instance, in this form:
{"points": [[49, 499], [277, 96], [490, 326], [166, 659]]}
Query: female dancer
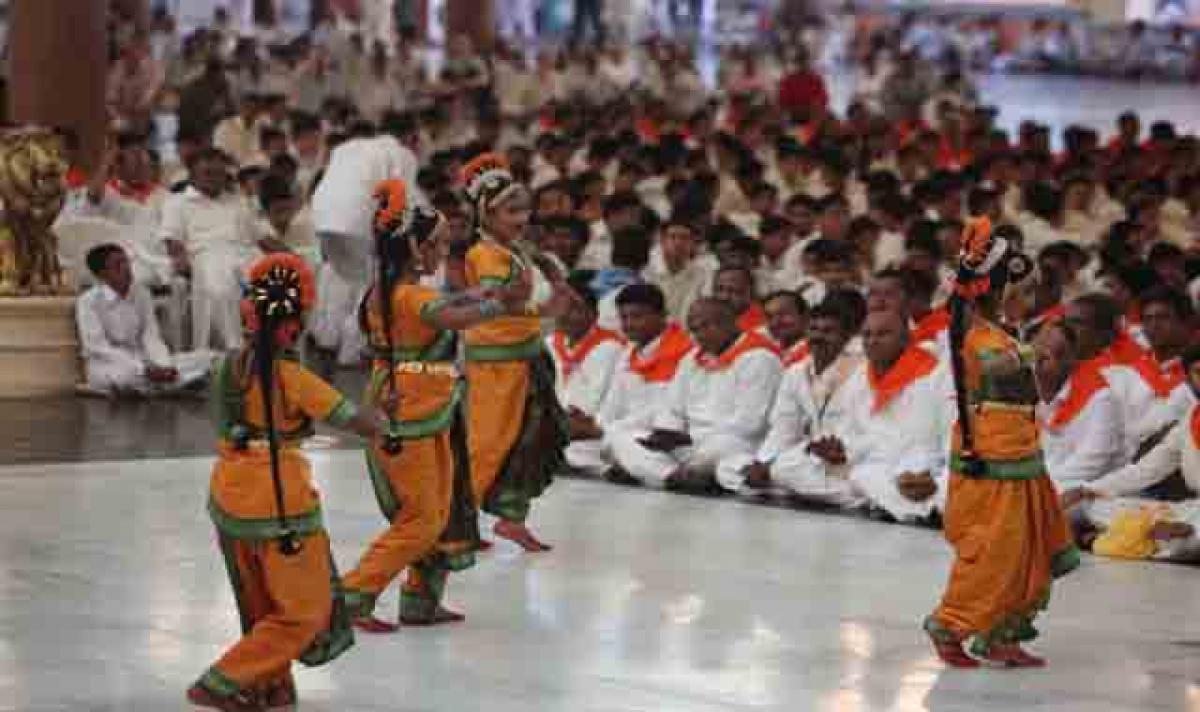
{"points": [[1003, 517], [263, 503], [516, 429], [422, 482]]}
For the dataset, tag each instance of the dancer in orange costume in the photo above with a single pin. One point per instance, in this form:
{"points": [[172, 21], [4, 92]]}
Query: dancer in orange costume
{"points": [[262, 500], [517, 431], [423, 486], [1002, 517]]}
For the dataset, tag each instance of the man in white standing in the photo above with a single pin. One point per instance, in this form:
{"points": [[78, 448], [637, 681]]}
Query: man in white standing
{"points": [[211, 235], [342, 208]]}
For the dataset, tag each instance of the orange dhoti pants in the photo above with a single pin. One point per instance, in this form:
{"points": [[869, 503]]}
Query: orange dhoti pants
{"points": [[285, 603], [415, 488], [496, 403], [1010, 541]]}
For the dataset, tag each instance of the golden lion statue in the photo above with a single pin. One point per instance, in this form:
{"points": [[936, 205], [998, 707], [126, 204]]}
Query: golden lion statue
{"points": [[32, 171]]}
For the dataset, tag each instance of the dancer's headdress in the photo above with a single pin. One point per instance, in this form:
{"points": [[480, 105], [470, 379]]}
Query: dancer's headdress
{"points": [[487, 181], [281, 285]]}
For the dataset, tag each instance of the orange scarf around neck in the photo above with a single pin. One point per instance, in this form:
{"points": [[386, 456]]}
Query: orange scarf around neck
{"points": [[659, 367], [752, 318], [747, 342], [931, 325], [571, 357], [913, 364], [797, 353], [1082, 386]]}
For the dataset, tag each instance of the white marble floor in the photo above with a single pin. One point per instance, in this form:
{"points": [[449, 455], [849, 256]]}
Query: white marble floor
{"points": [[112, 597]]}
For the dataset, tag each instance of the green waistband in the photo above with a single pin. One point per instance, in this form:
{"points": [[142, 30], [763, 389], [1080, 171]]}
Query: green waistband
{"points": [[1030, 468], [264, 529], [523, 351]]}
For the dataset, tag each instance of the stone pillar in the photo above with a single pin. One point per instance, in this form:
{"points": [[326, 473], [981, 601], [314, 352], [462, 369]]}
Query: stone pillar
{"points": [[474, 18], [58, 63]]}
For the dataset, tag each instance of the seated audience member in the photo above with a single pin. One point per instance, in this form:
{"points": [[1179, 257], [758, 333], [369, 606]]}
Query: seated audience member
{"points": [[735, 286], [122, 350], [642, 375], [910, 292], [288, 225], [828, 265], [717, 404], [563, 238], [812, 409], [682, 273], [211, 235], [787, 320], [630, 255], [1137, 386], [1078, 413], [1108, 500], [585, 356], [902, 413], [1065, 262], [773, 272], [1168, 323]]}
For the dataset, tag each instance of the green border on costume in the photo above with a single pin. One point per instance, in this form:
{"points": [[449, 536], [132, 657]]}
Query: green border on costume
{"points": [[305, 524], [342, 413], [440, 349], [524, 351], [1065, 561], [218, 683], [1030, 468]]}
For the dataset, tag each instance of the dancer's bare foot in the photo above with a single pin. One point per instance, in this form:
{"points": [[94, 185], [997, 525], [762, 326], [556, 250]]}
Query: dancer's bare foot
{"points": [[440, 616], [1013, 656], [520, 535], [200, 697], [373, 625]]}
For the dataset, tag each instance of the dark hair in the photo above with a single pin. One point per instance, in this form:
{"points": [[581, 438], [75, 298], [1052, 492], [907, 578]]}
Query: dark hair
{"points": [[647, 295], [631, 248], [1104, 314], [624, 200], [826, 250], [801, 305], [397, 124], [97, 257], [580, 282], [273, 188], [1190, 355], [845, 306], [1176, 301], [304, 122]]}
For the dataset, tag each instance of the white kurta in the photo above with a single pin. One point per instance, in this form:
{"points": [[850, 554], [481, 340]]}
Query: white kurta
{"points": [[724, 411], [1142, 412], [1178, 451], [1086, 446], [585, 387], [910, 434], [808, 406], [221, 239], [119, 339]]}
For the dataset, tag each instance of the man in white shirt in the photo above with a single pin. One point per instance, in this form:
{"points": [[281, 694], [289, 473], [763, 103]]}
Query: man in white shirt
{"points": [[585, 357], [1138, 389], [1079, 417], [237, 136], [717, 405], [678, 269], [1168, 323], [639, 385], [119, 338], [1101, 500], [342, 208], [211, 236], [897, 453], [811, 412]]}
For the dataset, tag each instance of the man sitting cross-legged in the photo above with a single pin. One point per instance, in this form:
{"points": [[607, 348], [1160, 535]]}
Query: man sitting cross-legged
{"points": [[1173, 530], [896, 452], [638, 389], [812, 408], [717, 404], [585, 357], [123, 352]]}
